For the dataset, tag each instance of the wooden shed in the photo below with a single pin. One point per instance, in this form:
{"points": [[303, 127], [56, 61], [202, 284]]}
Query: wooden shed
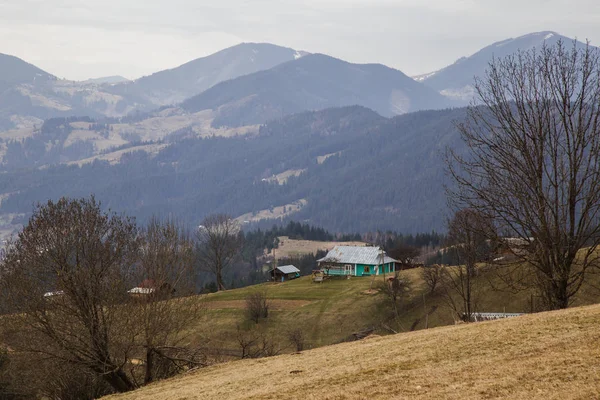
{"points": [[284, 273]]}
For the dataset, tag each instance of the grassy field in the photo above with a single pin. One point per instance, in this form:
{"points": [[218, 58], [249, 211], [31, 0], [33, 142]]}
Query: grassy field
{"points": [[329, 312], [273, 213], [292, 247], [553, 355]]}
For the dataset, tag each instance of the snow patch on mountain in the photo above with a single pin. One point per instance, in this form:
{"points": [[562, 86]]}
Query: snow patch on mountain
{"points": [[465, 93], [421, 78]]}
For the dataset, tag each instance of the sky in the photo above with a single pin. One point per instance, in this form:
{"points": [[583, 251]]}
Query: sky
{"points": [[80, 39]]}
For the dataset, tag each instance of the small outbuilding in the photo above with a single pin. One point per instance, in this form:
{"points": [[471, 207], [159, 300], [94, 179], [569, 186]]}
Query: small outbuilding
{"points": [[284, 273]]}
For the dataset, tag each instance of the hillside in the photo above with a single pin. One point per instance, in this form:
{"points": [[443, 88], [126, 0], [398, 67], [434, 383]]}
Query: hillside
{"points": [[456, 81], [175, 85], [14, 71], [544, 356], [361, 172], [313, 82]]}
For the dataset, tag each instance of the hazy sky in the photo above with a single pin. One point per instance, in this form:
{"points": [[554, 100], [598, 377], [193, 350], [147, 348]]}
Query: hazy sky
{"points": [[79, 39]]}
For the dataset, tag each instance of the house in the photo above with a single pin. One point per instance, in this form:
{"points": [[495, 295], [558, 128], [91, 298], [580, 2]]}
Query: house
{"points": [[149, 286], [357, 261], [54, 294], [284, 273]]}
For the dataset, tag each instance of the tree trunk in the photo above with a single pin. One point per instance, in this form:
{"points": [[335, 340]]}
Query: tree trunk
{"points": [[220, 284], [559, 295], [149, 365], [119, 381]]}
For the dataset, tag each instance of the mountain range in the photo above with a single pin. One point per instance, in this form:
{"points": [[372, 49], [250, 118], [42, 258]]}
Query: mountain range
{"points": [[313, 82], [258, 131], [173, 86]]}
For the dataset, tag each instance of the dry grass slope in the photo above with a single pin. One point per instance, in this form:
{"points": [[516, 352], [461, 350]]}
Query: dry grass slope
{"points": [[294, 247], [552, 355]]}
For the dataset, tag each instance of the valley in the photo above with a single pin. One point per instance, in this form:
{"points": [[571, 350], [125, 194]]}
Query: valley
{"points": [[270, 222]]}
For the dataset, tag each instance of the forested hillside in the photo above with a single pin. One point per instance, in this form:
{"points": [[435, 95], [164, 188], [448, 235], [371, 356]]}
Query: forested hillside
{"points": [[358, 172]]}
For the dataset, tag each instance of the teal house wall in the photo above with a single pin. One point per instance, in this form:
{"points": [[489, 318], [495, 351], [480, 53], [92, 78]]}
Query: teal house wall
{"points": [[361, 270], [367, 270]]}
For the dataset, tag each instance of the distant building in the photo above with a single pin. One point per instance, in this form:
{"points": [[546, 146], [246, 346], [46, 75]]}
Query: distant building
{"points": [[357, 261], [54, 294], [149, 286], [284, 273]]}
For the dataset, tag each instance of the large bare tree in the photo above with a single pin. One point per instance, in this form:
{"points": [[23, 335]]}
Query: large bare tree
{"points": [[219, 242], [533, 161], [63, 277], [163, 305]]}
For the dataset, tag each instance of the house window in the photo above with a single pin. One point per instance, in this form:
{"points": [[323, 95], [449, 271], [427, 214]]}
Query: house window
{"points": [[367, 269]]}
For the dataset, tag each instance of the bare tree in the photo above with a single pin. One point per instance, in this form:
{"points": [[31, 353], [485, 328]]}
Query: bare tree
{"points": [[219, 243], [256, 343], [405, 254], [164, 308], [297, 338], [533, 161], [64, 276], [467, 236], [432, 275], [257, 306], [395, 289]]}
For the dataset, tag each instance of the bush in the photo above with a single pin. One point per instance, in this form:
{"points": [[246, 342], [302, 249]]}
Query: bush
{"points": [[296, 337], [257, 306]]}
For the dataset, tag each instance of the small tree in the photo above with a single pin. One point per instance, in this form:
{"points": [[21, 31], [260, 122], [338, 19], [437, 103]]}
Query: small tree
{"points": [[256, 343], [467, 233], [396, 289], [432, 275], [218, 244], [297, 339], [405, 254], [257, 306]]}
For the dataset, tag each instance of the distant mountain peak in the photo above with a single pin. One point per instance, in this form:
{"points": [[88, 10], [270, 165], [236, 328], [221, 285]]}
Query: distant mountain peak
{"points": [[535, 36], [177, 84], [456, 80], [14, 70]]}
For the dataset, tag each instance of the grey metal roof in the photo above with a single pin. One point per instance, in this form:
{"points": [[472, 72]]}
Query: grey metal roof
{"points": [[357, 255], [288, 269]]}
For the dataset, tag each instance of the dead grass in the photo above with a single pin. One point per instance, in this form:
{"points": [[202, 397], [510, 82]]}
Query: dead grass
{"points": [[283, 177], [322, 159], [241, 304], [291, 247], [547, 356], [273, 213]]}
